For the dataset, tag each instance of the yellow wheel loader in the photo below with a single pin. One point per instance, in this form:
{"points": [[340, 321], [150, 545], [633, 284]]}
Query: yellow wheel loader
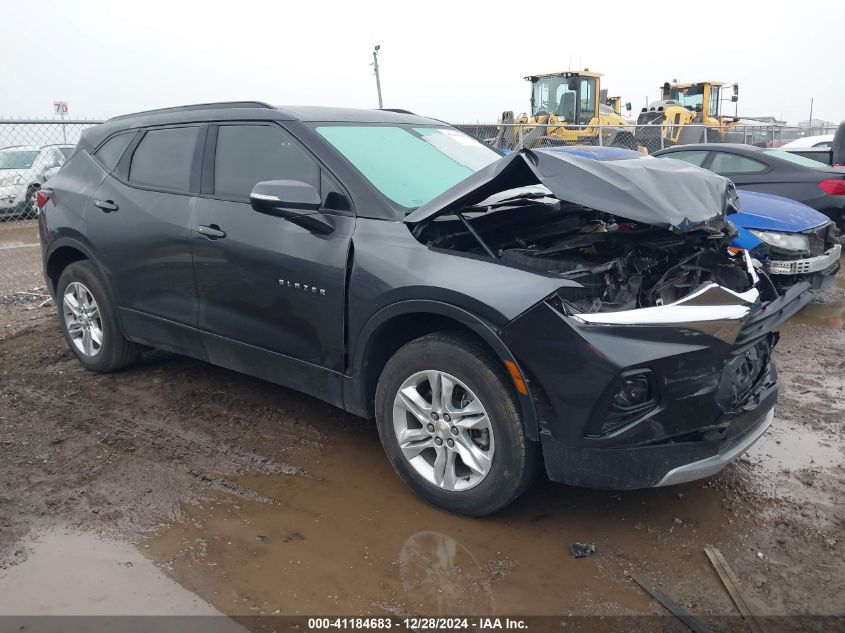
{"points": [[567, 108], [685, 113], [615, 104]]}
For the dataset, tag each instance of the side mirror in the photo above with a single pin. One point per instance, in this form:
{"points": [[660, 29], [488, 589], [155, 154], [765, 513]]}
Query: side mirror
{"points": [[628, 106], [293, 200], [698, 107]]}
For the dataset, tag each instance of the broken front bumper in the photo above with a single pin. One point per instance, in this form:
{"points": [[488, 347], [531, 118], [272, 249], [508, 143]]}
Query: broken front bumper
{"points": [[806, 266], [711, 381]]}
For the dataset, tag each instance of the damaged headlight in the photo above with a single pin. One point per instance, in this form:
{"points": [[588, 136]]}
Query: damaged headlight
{"points": [[8, 181], [784, 241]]}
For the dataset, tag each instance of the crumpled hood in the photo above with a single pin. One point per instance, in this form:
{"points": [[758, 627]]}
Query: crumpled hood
{"points": [[666, 193], [773, 213]]}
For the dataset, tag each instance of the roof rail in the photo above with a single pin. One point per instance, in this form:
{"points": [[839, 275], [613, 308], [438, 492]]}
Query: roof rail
{"points": [[397, 110], [223, 105]]}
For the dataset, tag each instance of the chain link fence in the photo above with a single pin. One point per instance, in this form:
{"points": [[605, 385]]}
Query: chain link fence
{"points": [[30, 152], [643, 138]]}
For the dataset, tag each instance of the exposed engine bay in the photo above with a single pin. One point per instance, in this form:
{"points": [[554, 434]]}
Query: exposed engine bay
{"points": [[620, 264]]}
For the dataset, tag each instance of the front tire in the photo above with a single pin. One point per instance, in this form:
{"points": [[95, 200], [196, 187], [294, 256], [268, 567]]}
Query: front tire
{"points": [[449, 423], [88, 320]]}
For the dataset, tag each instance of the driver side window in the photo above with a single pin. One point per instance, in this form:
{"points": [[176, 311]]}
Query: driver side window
{"points": [[248, 154]]}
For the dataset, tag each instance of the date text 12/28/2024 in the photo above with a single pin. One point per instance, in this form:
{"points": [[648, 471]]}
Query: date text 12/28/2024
{"points": [[417, 623]]}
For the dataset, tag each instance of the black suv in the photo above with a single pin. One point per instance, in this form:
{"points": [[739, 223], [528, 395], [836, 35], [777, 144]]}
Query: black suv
{"points": [[491, 313]]}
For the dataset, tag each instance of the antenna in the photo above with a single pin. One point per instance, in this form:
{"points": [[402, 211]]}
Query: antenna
{"points": [[375, 67]]}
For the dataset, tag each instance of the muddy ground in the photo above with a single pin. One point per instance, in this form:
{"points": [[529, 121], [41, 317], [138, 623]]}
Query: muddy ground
{"points": [[260, 500]]}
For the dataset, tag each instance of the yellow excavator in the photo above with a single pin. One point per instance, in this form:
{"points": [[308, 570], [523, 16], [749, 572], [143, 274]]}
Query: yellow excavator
{"points": [[685, 113], [567, 108]]}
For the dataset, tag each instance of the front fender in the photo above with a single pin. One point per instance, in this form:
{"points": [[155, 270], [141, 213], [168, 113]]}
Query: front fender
{"points": [[355, 391]]}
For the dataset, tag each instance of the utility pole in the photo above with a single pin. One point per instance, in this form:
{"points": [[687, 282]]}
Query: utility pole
{"points": [[810, 123], [378, 80]]}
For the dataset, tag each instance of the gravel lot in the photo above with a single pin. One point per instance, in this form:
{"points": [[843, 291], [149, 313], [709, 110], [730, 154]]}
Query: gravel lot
{"points": [[260, 500]]}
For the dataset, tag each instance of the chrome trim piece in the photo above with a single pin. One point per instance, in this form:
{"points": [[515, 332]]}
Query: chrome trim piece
{"points": [[712, 465], [264, 196], [805, 266], [682, 311], [711, 302]]}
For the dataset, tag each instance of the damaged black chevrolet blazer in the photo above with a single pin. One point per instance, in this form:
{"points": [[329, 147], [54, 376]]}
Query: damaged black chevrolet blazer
{"points": [[494, 315]]}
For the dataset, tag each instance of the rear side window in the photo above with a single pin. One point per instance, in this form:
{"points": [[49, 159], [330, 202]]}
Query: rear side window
{"points": [[110, 152], [691, 157], [247, 154], [724, 163], [163, 159], [793, 158]]}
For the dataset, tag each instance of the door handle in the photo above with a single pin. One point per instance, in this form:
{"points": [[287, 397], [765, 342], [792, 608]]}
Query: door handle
{"points": [[212, 231], [106, 206]]}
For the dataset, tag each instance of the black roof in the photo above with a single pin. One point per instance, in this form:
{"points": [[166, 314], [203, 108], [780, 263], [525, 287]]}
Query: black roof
{"points": [[246, 110]]}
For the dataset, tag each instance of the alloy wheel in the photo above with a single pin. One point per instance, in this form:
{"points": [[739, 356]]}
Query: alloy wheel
{"points": [[443, 430], [82, 319]]}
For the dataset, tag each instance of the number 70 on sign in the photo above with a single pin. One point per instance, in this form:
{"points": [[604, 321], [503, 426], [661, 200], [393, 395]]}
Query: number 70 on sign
{"points": [[60, 107]]}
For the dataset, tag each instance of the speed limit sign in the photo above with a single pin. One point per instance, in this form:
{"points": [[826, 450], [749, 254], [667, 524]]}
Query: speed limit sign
{"points": [[60, 107]]}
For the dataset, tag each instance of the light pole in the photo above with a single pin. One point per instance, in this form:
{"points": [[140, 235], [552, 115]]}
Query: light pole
{"points": [[810, 123], [375, 67]]}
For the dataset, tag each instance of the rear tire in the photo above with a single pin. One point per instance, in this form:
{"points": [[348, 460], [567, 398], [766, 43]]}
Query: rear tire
{"points": [[445, 446], [88, 320]]}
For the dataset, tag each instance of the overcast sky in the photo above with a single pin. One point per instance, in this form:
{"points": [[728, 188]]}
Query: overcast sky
{"points": [[459, 61]]}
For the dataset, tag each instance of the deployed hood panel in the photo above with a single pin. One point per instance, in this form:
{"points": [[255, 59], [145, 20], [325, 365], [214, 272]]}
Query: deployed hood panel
{"points": [[774, 213], [665, 193]]}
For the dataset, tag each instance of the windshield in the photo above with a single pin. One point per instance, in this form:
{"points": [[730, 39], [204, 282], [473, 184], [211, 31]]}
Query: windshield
{"points": [[17, 159], [794, 158], [689, 97], [410, 165]]}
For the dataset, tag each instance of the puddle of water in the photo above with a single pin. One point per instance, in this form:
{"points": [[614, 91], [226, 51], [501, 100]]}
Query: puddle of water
{"points": [[357, 540], [787, 449], [830, 315], [13, 245], [18, 233], [73, 573], [831, 311]]}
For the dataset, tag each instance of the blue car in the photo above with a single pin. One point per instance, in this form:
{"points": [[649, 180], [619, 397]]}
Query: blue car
{"points": [[792, 241]]}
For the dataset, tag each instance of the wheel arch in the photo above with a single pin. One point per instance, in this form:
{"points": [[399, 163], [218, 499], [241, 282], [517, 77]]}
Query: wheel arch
{"points": [[395, 325], [61, 254]]}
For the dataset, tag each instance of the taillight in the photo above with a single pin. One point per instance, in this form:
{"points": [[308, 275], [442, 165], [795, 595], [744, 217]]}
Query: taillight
{"points": [[42, 196], [833, 187]]}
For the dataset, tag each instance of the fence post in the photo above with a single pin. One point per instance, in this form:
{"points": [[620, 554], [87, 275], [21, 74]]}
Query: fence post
{"points": [[601, 140], [519, 146]]}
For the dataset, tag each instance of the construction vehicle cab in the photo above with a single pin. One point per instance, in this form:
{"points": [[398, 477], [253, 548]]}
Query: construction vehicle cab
{"points": [[685, 113], [615, 103], [567, 108]]}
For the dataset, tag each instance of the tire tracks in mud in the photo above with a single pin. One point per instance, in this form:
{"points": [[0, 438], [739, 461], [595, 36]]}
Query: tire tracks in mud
{"points": [[123, 452]]}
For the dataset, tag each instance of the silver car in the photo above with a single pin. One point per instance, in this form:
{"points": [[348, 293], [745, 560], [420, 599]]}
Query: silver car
{"points": [[23, 169]]}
